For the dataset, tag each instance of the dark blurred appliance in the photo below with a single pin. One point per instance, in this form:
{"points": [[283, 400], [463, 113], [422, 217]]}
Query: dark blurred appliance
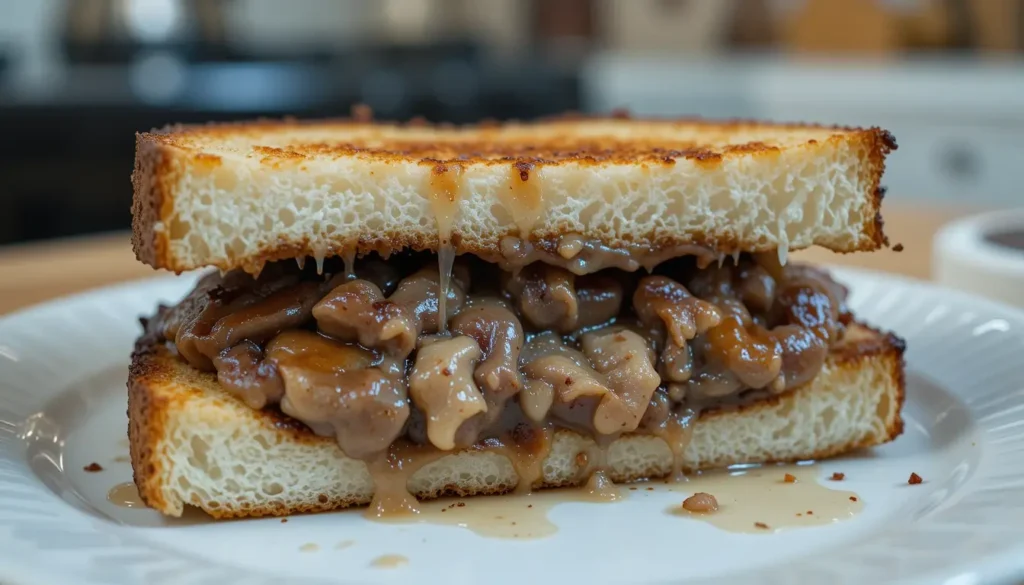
{"points": [[104, 31], [131, 65]]}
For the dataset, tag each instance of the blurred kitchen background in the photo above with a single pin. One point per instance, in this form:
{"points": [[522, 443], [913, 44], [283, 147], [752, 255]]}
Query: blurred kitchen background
{"points": [[79, 77]]}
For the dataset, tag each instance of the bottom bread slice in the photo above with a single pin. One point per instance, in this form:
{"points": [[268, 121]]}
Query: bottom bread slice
{"points": [[192, 443]]}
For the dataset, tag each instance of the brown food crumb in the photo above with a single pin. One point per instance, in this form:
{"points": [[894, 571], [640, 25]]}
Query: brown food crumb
{"points": [[897, 248], [461, 504], [700, 502], [650, 489], [444, 509], [529, 505], [283, 520], [914, 479], [582, 459], [93, 467], [853, 498], [446, 372], [632, 489], [789, 478], [810, 512], [761, 525], [838, 476], [799, 514]]}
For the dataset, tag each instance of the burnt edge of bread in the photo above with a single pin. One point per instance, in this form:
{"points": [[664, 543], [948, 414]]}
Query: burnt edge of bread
{"points": [[161, 154], [154, 363]]}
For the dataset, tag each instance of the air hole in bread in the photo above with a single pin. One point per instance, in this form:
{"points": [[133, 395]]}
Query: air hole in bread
{"points": [[884, 408], [501, 215], [179, 228], [199, 450], [828, 416], [785, 431], [587, 213], [198, 244], [236, 248], [273, 489], [287, 216]]}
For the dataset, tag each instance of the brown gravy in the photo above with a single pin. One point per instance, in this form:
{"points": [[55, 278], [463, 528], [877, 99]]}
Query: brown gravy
{"points": [[389, 562], [759, 500], [125, 495], [754, 500], [512, 516]]}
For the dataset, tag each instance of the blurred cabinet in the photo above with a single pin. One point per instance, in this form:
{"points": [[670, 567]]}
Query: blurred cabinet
{"points": [[680, 25], [959, 124]]}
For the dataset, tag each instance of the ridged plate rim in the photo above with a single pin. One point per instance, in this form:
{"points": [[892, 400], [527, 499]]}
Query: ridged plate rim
{"points": [[987, 517]]}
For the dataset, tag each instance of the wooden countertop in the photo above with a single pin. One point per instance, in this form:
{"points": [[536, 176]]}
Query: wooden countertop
{"points": [[34, 273]]}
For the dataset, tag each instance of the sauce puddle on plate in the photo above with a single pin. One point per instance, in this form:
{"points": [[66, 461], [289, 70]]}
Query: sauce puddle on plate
{"points": [[753, 500], [389, 562], [516, 516], [760, 500], [125, 495]]}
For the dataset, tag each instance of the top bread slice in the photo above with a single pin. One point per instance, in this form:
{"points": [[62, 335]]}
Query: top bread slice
{"points": [[239, 195]]}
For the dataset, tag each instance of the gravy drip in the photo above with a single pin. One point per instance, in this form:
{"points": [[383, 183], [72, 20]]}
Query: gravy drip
{"points": [[523, 197], [444, 198], [595, 472], [391, 473], [677, 431], [527, 452]]}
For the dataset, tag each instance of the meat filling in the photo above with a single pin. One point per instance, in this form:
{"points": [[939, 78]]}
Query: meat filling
{"points": [[365, 357]]}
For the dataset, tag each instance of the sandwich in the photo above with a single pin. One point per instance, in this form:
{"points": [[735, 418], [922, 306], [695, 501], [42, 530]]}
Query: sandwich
{"points": [[398, 312]]}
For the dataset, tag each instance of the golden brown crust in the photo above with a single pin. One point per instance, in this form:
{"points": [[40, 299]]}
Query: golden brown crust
{"points": [[159, 153], [160, 382], [528, 148], [146, 422]]}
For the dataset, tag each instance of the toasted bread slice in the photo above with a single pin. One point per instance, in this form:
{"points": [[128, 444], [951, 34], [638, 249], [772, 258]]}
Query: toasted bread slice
{"points": [[237, 196], [192, 443]]}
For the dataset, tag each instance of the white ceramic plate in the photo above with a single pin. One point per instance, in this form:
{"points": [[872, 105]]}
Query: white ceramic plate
{"points": [[62, 402]]}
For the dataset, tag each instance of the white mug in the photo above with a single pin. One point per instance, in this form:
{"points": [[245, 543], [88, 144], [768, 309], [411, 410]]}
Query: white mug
{"points": [[983, 254]]}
